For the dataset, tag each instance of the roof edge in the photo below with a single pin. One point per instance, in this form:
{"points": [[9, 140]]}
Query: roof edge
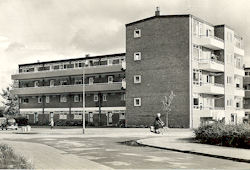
{"points": [[73, 59], [153, 17]]}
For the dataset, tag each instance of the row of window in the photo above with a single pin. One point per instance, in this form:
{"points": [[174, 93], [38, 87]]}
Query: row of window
{"points": [[209, 102], [77, 98], [77, 64], [137, 57], [79, 81]]}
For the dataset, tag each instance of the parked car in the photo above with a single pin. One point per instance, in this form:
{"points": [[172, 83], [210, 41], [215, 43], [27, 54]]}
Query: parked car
{"points": [[21, 121], [10, 124]]}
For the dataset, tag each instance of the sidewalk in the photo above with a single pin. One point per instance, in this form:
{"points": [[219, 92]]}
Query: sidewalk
{"points": [[184, 144], [46, 157]]}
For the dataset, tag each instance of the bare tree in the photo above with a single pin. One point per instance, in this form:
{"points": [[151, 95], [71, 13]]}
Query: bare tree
{"points": [[166, 103]]}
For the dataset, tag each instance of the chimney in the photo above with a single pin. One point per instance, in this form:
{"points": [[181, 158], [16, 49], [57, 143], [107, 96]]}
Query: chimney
{"points": [[157, 12]]}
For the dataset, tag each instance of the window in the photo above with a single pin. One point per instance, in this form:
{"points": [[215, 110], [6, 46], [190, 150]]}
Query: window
{"points": [[229, 80], [63, 115], [196, 27], [47, 99], [110, 117], [229, 102], [63, 82], [78, 81], [95, 97], [137, 56], [25, 100], [196, 52], [237, 104], [78, 115], [104, 97], [110, 79], [51, 82], [76, 98], [137, 79], [91, 80], [39, 99], [137, 101], [63, 99], [137, 33], [36, 83], [110, 62], [91, 117], [196, 101], [123, 97], [209, 32]]}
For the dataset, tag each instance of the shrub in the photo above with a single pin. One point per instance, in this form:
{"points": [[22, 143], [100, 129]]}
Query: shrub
{"points": [[9, 160], [225, 135], [68, 122]]}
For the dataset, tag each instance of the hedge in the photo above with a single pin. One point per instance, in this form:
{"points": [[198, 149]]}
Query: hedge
{"points": [[224, 135]]}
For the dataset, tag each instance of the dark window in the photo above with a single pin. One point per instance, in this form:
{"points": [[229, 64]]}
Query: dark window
{"points": [[25, 100], [196, 101]]}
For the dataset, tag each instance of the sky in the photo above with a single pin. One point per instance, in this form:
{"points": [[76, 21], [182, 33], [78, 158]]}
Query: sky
{"points": [[32, 30]]}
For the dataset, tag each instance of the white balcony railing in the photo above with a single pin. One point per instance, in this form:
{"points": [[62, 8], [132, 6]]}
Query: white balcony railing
{"points": [[212, 42], [75, 68], [209, 88], [68, 88]]}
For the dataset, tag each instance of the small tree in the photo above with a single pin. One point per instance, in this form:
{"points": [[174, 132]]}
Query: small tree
{"points": [[11, 104], [166, 103]]}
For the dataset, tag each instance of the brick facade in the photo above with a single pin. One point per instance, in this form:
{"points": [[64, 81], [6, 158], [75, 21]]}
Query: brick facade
{"points": [[164, 47]]}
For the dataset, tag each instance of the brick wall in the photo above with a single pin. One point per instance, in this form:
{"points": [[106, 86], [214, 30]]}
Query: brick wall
{"points": [[164, 46]]}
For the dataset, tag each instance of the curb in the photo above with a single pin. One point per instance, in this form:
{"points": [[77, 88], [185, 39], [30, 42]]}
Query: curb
{"points": [[197, 153]]}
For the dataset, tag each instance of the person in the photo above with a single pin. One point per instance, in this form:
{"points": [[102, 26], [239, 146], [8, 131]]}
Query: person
{"points": [[158, 123], [51, 124]]}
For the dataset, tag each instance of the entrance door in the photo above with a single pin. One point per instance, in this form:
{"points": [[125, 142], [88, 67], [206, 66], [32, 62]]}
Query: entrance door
{"points": [[35, 117], [51, 115], [109, 121]]}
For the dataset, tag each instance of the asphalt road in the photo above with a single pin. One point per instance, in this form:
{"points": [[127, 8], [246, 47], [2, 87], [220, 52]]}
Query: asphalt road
{"points": [[111, 152]]}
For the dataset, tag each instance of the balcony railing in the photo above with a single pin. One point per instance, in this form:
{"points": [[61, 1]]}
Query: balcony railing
{"points": [[208, 108], [214, 37], [70, 72], [211, 61], [123, 64], [69, 88], [211, 42]]}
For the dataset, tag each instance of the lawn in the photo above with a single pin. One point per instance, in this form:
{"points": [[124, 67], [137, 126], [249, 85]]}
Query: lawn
{"points": [[10, 160]]}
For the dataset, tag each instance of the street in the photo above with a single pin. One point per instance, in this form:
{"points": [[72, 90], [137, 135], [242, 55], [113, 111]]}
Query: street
{"points": [[108, 149]]}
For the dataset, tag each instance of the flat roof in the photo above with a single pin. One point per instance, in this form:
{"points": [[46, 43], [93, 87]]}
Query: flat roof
{"points": [[73, 59]]}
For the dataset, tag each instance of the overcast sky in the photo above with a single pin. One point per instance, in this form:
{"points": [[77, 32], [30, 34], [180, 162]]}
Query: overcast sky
{"points": [[32, 30]]}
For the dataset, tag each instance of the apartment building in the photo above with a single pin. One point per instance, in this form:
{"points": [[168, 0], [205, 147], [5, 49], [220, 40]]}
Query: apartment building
{"points": [[53, 90], [247, 94], [201, 63]]}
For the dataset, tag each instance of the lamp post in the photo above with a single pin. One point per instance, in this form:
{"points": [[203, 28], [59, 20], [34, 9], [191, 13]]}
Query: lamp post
{"points": [[83, 96]]}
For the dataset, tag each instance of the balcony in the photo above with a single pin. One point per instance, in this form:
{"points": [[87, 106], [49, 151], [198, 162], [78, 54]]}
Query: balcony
{"points": [[239, 51], [70, 71], [68, 88], [239, 71], [210, 88], [239, 92], [211, 65], [212, 42], [247, 93], [215, 112]]}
